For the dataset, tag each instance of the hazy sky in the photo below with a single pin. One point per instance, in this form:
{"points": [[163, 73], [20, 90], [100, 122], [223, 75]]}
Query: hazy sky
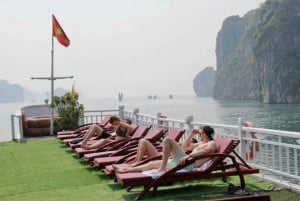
{"points": [[138, 47]]}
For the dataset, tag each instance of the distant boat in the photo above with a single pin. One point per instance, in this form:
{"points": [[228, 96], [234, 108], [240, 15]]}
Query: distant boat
{"points": [[152, 97], [170, 96]]}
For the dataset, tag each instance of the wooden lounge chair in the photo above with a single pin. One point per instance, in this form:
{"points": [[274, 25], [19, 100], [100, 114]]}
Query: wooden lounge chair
{"points": [[120, 155], [214, 168], [138, 132], [153, 135], [126, 161]]}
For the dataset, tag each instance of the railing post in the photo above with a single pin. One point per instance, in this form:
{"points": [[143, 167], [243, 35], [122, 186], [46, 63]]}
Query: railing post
{"points": [[21, 128], [188, 121], [121, 111], [135, 115], [13, 129], [158, 121], [161, 123], [81, 119], [12, 121], [241, 134]]}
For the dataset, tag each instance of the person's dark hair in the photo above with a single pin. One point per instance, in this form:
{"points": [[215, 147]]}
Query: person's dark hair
{"points": [[128, 121], [113, 119], [209, 131]]}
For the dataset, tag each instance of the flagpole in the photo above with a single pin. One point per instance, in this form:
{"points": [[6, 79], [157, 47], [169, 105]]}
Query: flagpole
{"points": [[62, 38], [52, 85]]}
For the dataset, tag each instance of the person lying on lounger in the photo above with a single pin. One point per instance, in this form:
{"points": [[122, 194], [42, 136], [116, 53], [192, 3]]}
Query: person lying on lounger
{"points": [[172, 149], [122, 130]]}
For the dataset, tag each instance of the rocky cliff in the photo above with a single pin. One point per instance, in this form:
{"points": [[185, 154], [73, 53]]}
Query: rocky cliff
{"points": [[258, 55], [203, 83], [10, 93]]}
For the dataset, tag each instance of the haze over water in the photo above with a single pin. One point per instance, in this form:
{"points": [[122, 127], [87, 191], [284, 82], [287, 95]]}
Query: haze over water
{"points": [[271, 116]]}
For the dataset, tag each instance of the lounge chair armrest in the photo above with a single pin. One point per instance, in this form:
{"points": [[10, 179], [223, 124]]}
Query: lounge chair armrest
{"points": [[193, 159], [112, 144], [124, 149], [126, 142], [125, 157]]}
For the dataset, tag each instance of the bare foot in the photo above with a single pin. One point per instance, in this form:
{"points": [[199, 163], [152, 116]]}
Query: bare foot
{"points": [[118, 169], [84, 146]]}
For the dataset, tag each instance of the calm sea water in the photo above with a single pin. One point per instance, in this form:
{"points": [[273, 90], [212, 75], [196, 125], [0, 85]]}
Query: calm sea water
{"points": [[275, 116]]}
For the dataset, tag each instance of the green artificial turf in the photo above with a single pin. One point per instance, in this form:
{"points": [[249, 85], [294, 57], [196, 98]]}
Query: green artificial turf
{"points": [[47, 170]]}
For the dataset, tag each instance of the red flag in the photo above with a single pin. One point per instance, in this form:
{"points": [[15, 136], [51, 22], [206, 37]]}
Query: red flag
{"points": [[59, 33]]}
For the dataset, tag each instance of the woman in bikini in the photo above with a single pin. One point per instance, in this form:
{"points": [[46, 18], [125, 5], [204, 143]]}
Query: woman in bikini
{"points": [[122, 130]]}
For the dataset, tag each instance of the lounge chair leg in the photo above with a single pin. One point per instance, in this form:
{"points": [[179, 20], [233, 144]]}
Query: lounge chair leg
{"points": [[129, 188], [142, 194], [154, 190], [224, 179], [242, 179]]}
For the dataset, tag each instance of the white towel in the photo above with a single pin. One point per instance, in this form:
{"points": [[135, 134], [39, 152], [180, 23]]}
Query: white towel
{"points": [[153, 174]]}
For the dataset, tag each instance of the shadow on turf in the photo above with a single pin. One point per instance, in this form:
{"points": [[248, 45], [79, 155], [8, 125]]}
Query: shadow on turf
{"points": [[180, 193]]}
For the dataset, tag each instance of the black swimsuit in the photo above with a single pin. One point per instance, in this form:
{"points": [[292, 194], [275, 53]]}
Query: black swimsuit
{"points": [[120, 132]]}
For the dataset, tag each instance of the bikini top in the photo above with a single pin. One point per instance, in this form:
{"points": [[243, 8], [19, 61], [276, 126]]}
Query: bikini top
{"points": [[120, 132]]}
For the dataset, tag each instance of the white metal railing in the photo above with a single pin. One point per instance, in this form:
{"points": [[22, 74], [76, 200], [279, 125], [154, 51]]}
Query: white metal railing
{"points": [[16, 127], [93, 116], [277, 154]]}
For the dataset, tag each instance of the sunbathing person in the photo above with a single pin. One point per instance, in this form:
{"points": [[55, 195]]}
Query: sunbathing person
{"points": [[146, 148], [172, 149], [122, 130]]}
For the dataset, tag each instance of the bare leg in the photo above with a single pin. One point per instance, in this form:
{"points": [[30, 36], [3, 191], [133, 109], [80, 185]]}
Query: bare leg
{"points": [[148, 166], [170, 148], [145, 148], [97, 144], [94, 129]]}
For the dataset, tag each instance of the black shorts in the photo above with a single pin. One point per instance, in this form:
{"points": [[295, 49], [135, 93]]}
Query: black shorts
{"points": [[104, 135]]}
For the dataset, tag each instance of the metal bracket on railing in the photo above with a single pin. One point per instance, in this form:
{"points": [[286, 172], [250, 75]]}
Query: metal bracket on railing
{"points": [[121, 111], [241, 134], [161, 120], [158, 121], [135, 114]]}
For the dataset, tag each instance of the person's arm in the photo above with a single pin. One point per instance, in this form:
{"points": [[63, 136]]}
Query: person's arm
{"points": [[188, 144], [127, 128], [210, 148]]}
